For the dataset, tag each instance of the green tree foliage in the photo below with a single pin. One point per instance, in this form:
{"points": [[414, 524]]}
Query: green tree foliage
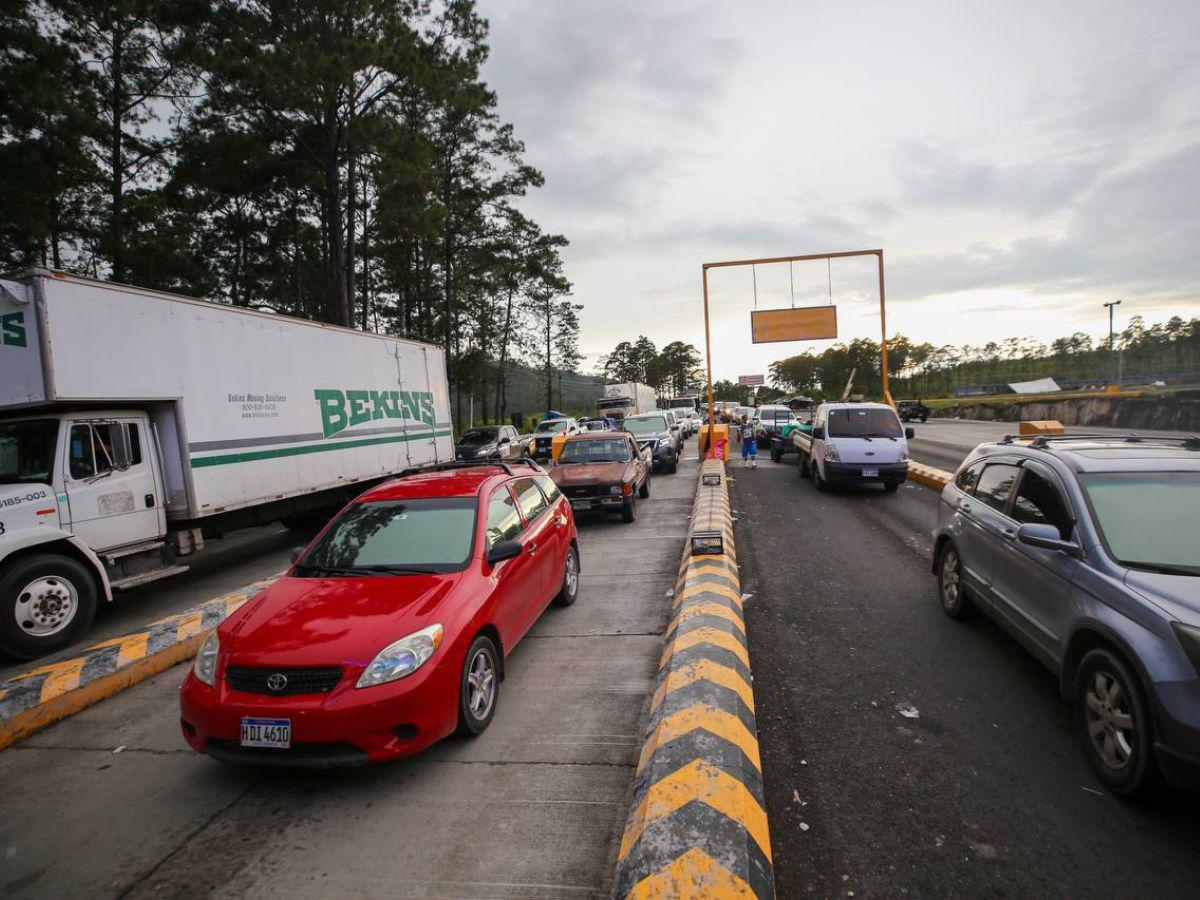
{"points": [[341, 161], [1167, 350], [673, 371]]}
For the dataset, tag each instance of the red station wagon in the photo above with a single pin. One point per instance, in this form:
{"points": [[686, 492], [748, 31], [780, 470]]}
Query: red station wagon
{"points": [[390, 630]]}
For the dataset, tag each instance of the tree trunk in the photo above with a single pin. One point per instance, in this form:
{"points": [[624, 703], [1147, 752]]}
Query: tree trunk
{"points": [[117, 182], [549, 381], [502, 371], [333, 202], [351, 224]]}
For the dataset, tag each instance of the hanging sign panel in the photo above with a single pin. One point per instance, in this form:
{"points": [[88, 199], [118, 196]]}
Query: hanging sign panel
{"points": [[751, 380], [806, 323]]}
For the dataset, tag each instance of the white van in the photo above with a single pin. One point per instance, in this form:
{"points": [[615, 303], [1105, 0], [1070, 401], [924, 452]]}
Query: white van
{"points": [[859, 443]]}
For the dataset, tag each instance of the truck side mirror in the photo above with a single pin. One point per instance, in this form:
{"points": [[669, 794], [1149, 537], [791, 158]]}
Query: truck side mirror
{"points": [[818, 433], [909, 433]]}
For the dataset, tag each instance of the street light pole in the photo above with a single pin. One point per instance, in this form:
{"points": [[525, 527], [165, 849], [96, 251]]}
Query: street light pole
{"points": [[1111, 345]]}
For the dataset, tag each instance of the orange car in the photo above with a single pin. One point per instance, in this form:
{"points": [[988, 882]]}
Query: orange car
{"points": [[603, 471]]}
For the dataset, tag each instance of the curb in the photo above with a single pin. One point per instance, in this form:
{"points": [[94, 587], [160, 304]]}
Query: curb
{"points": [[698, 826], [45, 695], [928, 475]]}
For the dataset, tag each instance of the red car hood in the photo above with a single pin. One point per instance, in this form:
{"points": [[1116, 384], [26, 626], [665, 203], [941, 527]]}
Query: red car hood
{"points": [[590, 473], [332, 621]]}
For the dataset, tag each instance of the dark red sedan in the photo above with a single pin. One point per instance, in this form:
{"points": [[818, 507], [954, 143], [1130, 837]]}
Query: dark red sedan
{"points": [[390, 630]]}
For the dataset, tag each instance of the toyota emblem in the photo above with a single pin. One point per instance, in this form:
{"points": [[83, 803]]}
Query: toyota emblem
{"points": [[277, 681]]}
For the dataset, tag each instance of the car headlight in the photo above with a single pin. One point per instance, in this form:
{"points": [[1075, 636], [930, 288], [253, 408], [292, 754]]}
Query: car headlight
{"points": [[831, 454], [1189, 637], [486, 448], [615, 489], [403, 657], [205, 665], [903, 458]]}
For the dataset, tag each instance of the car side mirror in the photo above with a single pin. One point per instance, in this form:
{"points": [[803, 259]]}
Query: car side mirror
{"points": [[818, 433], [1046, 537], [909, 433], [502, 551], [294, 556], [506, 440]]}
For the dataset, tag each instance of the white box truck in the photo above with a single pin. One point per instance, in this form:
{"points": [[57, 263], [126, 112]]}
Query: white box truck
{"points": [[626, 399], [135, 423]]}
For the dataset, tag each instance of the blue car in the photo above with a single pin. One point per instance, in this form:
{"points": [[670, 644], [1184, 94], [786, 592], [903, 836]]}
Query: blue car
{"points": [[1087, 550]]}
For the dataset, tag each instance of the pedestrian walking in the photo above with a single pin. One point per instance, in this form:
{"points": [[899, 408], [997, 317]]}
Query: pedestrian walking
{"points": [[749, 446]]}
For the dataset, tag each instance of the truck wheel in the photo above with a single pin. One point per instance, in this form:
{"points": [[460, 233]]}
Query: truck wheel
{"points": [[673, 468], [47, 602], [818, 482], [644, 490], [924, 419], [776, 453], [802, 465]]}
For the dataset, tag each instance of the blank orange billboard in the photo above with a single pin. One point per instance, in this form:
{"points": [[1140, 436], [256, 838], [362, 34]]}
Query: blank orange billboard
{"points": [[807, 323]]}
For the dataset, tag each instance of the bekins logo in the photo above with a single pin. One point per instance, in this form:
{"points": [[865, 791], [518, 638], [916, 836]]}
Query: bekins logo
{"points": [[345, 409], [12, 330]]}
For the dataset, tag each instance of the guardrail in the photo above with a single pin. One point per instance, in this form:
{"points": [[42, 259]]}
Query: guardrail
{"points": [[44, 695], [698, 826]]}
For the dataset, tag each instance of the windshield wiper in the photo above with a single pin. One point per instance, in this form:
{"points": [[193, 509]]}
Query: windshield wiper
{"points": [[1164, 568], [875, 434], [334, 571], [399, 570]]}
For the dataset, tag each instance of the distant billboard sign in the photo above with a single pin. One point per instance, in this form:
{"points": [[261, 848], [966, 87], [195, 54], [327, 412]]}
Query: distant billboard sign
{"points": [[750, 380], [1041, 386], [805, 323]]}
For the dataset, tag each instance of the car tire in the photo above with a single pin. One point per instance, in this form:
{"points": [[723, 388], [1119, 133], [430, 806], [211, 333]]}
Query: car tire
{"points": [[644, 490], [673, 468], [951, 593], [1121, 757], [477, 700], [924, 419], [776, 454], [569, 592], [891, 486], [818, 482], [629, 510], [47, 602]]}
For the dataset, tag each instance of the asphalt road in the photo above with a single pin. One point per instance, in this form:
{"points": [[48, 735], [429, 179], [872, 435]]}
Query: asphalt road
{"points": [[944, 443], [985, 793], [112, 803]]}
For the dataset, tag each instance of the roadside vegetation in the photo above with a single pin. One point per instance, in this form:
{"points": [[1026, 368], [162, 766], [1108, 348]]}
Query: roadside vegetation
{"points": [[339, 162]]}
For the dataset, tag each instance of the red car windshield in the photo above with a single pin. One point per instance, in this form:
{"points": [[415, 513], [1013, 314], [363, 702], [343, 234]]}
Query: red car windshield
{"points": [[395, 537]]}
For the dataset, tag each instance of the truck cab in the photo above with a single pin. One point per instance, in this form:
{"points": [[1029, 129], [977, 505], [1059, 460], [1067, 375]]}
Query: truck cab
{"points": [[854, 443], [82, 510]]}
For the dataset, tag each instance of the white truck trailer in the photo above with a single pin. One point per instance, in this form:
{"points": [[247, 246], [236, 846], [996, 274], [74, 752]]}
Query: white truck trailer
{"points": [[133, 424], [626, 399]]}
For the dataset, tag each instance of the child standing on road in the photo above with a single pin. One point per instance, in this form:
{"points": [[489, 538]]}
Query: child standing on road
{"points": [[749, 447]]}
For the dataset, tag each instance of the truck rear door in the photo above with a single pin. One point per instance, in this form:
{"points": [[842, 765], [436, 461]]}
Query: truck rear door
{"points": [[111, 486]]}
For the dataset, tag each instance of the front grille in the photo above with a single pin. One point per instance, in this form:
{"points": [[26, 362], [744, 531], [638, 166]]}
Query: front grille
{"points": [[586, 490], [256, 680]]}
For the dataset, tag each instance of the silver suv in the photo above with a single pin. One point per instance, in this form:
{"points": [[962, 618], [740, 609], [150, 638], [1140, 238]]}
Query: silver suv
{"points": [[1087, 550]]}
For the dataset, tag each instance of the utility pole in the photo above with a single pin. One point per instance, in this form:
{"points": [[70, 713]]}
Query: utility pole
{"points": [[1111, 344]]}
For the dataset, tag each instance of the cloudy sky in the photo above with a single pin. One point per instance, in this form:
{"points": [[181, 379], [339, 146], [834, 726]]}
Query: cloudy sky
{"points": [[1020, 163]]}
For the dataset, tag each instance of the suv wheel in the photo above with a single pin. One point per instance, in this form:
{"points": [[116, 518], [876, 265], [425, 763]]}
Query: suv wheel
{"points": [[1115, 723], [951, 592]]}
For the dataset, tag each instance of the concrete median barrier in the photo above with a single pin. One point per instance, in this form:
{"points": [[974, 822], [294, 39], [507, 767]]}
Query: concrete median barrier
{"points": [[44, 695], [929, 476], [698, 826]]}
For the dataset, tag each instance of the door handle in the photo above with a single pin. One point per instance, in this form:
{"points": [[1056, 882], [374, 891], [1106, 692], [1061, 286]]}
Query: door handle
{"points": [[532, 549], [1010, 533], [965, 506], [149, 501]]}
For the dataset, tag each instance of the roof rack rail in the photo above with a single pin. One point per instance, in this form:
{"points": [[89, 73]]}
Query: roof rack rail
{"points": [[506, 465], [1191, 442]]}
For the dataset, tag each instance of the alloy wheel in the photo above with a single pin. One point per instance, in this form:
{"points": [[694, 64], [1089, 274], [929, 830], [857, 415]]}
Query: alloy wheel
{"points": [[1110, 724], [481, 684]]}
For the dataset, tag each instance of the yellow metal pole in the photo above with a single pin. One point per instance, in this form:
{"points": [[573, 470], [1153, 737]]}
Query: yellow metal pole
{"points": [[883, 353], [712, 419]]}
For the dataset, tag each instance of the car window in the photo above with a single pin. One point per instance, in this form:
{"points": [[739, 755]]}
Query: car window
{"points": [[968, 477], [597, 450], [503, 520], [91, 450], [864, 422], [549, 488], [529, 498], [427, 533], [996, 483], [1039, 502], [1148, 519]]}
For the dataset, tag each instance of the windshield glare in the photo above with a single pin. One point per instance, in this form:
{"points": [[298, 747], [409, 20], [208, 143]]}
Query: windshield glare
{"points": [[608, 450], [553, 425], [863, 423], [1148, 519], [479, 436], [651, 425], [429, 534], [27, 451]]}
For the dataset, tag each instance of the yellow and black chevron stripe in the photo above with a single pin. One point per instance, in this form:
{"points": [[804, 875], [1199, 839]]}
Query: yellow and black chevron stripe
{"points": [[44, 695], [699, 825]]}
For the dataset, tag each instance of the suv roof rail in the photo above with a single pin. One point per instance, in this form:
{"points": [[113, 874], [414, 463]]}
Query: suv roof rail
{"points": [[470, 464], [1190, 442]]}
